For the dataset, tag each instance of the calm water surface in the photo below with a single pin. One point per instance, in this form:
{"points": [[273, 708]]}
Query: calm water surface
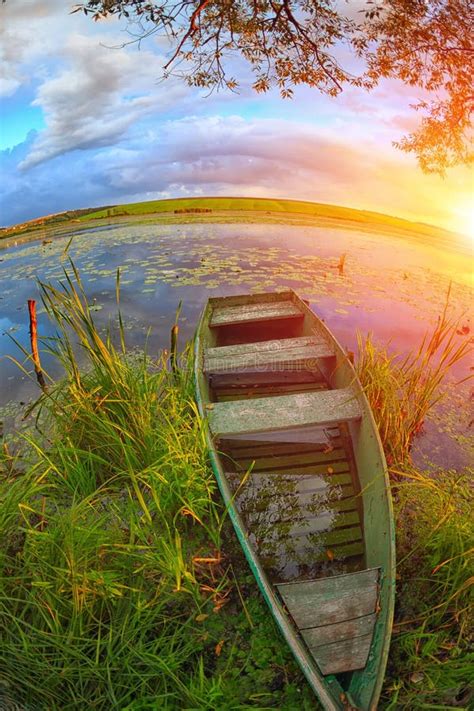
{"points": [[393, 287]]}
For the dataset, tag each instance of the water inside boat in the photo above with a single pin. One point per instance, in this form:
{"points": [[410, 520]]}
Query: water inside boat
{"points": [[297, 491], [299, 463]]}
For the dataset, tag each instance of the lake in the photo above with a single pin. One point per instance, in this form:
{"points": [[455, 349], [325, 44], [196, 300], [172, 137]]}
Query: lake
{"points": [[394, 287]]}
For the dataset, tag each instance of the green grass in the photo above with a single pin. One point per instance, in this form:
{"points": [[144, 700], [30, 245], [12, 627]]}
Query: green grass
{"points": [[310, 209], [256, 210], [402, 390], [121, 583], [431, 664], [116, 588]]}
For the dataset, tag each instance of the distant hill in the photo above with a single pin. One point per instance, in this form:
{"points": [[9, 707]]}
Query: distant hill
{"points": [[46, 220], [329, 214]]}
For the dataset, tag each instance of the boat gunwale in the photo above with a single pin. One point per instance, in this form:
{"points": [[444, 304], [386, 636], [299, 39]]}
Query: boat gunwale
{"points": [[387, 574], [327, 688], [316, 680]]}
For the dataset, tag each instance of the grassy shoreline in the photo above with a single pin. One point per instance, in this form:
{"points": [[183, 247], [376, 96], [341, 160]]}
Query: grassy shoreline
{"points": [[232, 210], [122, 586]]}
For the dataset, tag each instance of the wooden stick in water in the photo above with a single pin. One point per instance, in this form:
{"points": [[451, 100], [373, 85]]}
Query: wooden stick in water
{"points": [[34, 344], [174, 348]]}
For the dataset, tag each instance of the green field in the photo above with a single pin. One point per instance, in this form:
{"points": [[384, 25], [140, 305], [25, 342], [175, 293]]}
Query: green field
{"points": [[233, 210], [231, 204]]}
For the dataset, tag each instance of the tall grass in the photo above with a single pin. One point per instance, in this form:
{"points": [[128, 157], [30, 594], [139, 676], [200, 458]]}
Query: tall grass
{"points": [[115, 587], [431, 663], [99, 535], [402, 390], [431, 660], [121, 585]]}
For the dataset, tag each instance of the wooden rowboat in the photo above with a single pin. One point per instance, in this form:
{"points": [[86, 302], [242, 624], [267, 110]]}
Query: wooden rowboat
{"points": [[299, 463]]}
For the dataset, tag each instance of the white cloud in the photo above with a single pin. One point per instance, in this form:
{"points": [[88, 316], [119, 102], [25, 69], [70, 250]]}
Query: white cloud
{"points": [[96, 97], [89, 93], [113, 133], [226, 156], [25, 38]]}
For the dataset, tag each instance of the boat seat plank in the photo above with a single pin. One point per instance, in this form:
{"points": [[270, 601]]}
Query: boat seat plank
{"points": [[316, 603], [286, 353], [343, 656], [303, 435], [249, 313], [264, 346], [338, 631], [283, 412], [328, 436]]}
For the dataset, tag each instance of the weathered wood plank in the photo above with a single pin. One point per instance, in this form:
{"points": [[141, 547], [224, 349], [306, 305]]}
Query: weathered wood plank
{"points": [[309, 435], [307, 523], [265, 377], [343, 479], [310, 516], [327, 634], [340, 553], [264, 346], [341, 536], [247, 313], [344, 656], [305, 357], [328, 462], [330, 600], [338, 537], [238, 450], [308, 499], [284, 412], [264, 297], [304, 550], [248, 390], [338, 491], [339, 584], [226, 394]]}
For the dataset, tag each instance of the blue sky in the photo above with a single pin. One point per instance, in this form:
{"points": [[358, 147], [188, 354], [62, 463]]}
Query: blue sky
{"points": [[84, 124]]}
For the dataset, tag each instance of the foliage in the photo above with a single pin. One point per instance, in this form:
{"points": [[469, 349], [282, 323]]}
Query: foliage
{"points": [[122, 585], [431, 663], [116, 589], [424, 44], [402, 390]]}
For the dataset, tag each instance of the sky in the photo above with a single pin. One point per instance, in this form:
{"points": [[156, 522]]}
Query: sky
{"points": [[85, 121]]}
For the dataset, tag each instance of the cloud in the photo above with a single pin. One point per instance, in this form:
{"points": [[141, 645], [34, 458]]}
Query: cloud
{"points": [[96, 97], [229, 155], [114, 134], [24, 37]]}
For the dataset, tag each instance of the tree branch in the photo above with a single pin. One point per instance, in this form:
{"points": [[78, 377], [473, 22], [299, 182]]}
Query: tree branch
{"points": [[193, 27]]}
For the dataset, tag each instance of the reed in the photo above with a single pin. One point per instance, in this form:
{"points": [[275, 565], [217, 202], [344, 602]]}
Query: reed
{"points": [[115, 588], [430, 663], [431, 658], [121, 583], [403, 389]]}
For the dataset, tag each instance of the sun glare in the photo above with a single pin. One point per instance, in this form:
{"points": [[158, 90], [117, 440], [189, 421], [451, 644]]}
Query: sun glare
{"points": [[465, 219]]}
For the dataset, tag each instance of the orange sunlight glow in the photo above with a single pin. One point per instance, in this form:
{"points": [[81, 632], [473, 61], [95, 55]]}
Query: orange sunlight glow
{"points": [[465, 219]]}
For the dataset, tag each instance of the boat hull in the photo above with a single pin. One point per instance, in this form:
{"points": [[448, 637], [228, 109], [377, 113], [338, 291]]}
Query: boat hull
{"points": [[247, 376]]}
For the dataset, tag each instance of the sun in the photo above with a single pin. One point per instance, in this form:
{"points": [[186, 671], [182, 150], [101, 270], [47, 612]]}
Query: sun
{"points": [[465, 219]]}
